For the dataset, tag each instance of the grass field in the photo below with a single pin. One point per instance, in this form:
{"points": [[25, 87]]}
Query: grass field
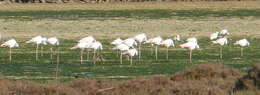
{"points": [[106, 22], [24, 65]]}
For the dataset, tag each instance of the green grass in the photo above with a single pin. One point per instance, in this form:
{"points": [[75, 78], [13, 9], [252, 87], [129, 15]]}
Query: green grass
{"points": [[24, 65], [135, 14]]}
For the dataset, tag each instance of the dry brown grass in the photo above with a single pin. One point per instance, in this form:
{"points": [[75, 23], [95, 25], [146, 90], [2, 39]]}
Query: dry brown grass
{"points": [[205, 79], [126, 28], [252, 79], [132, 5]]}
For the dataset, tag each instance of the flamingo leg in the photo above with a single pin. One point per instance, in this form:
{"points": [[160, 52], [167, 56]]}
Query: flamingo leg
{"points": [[88, 55], [131, 61], [121, 57], [58, 55], [94, 57], [51, 55], [81, 56], [167, 53], [156, 56], [190, 56], [241, 51], [151, 50], [139, 48], [10, 54], [220, 52], [36, 56], [41, 50]]}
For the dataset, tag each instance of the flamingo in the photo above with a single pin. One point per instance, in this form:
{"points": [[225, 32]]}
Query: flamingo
{"points": [[88, 39], [214, 36], [130, 42], [55, 42], [95, 46], [131, 52], [44, 42], [221, 41], [149, 41], [177, 38], [157, 41], [11, 44], [192, 39], [190, 45], [117, 42], [167, 43], [242, 43], [223, 33], [37, 40], [121, 48], [82, 46], [140, 38]]}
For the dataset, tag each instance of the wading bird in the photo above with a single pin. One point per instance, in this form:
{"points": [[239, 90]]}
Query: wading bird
{"points": [[11, 44], [88, 39], [192, 39], [117, 41], [221, 42], [121, 48], [223, 33], [190, 45], [177, 38], [242, 43], [140, 38], [82, 46], [157, 41], [167, 43], [149, 41], [55, 42], [95, 46], [214, 36], [130, 42], [131, 52], [37, 40]]}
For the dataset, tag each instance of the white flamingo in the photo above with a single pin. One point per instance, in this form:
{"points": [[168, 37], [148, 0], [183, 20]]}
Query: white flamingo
{"points": [[121, 48], [140, 38], [221, 41], [11, 44], [82, 46], [95, 46], [37, 40], [130, 42], [190, 45], [242, 43], [88, 39], [131, 52], [157, 41], [223, 33], [149, 41], [117, 41], [214, 36], [192, 39], [55, 42], [177, 38], [167, 43]]}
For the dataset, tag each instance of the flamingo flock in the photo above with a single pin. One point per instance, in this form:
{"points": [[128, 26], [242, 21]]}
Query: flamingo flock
{"points": [[129, 47]]}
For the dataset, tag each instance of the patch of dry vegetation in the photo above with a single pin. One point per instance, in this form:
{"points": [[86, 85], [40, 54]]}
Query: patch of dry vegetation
{"points": [[204, 79], [132, 5], [126, 28]]}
